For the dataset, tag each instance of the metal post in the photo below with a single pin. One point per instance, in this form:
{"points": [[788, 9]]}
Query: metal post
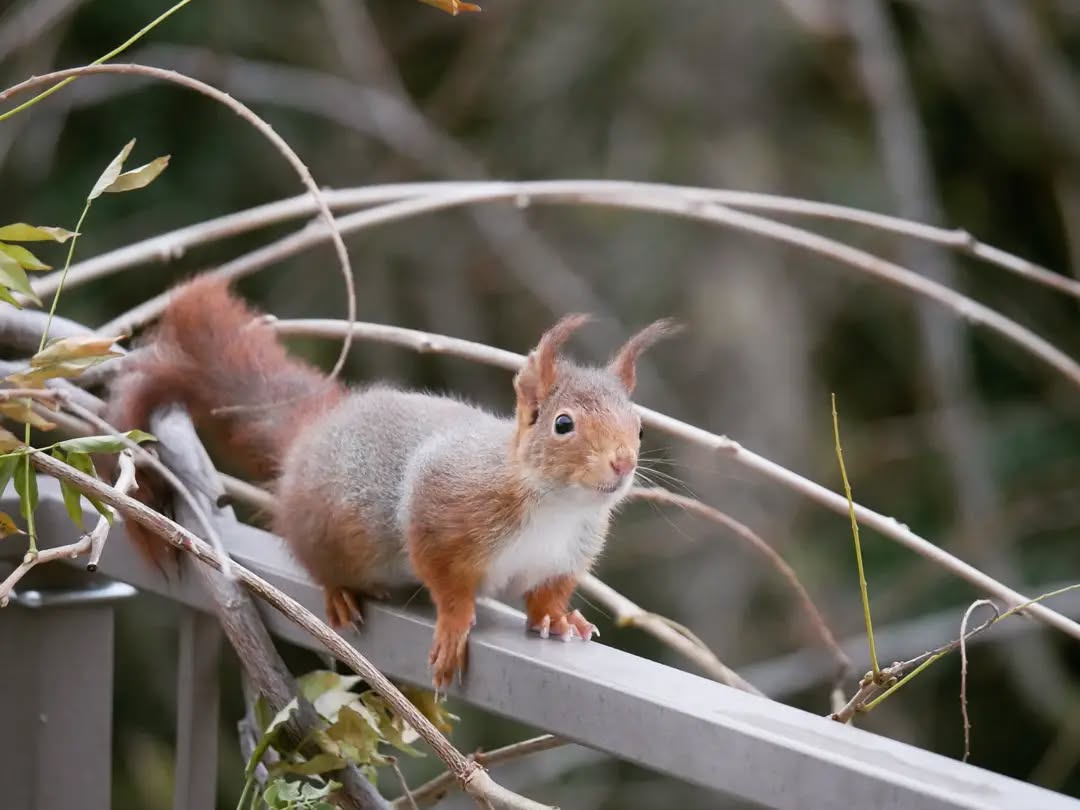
{"points": [[197, 711], [56, 676]]}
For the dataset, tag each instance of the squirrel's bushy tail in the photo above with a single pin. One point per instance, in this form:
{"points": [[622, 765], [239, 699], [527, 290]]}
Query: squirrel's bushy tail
{"points": [[218, 358]]}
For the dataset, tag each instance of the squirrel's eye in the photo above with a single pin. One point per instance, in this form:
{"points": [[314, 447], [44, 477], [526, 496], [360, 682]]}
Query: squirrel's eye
{"points": [[563, 424]]}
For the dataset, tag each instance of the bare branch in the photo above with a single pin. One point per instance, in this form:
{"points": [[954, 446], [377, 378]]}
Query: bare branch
{"points": [[962, 306], [332, 231], [172, 245], [436, 789], [92, 542]]}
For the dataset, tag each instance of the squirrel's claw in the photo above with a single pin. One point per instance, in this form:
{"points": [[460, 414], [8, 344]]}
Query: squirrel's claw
{"points": [[342, 608], [584, 628], [567, 627], [448, 656]]}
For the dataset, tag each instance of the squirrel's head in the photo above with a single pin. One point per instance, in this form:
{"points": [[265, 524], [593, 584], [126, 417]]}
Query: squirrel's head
{"points": [[576, 425]]}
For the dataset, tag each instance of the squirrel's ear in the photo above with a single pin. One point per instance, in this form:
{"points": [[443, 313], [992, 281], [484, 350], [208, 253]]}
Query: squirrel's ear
{"points": [[624, 364], [537, 377]]}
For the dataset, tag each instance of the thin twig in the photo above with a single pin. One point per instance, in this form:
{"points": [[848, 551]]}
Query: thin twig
{"points": [[245, 113], [434, 790], [93, 541], [963, 670], [410, 800], [428, 343], [744, 532]]}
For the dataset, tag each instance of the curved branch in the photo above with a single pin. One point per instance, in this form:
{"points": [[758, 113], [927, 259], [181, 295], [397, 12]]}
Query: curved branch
{"points": [[175, 243], [244, 112], [961, 305]]}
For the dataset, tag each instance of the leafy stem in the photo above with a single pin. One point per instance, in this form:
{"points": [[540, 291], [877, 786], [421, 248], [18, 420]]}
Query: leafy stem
{"points": [[119, 49]]}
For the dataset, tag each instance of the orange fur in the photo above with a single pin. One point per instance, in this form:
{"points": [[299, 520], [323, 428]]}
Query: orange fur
{"points": [[550, 599], [210, 351]]}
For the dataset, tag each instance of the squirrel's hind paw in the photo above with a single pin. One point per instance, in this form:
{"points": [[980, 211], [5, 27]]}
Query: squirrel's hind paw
{"points": [[342, 608]]}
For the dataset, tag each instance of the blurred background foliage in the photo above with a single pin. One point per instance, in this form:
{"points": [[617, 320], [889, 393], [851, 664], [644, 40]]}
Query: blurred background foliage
{"points": [[968, 113]]}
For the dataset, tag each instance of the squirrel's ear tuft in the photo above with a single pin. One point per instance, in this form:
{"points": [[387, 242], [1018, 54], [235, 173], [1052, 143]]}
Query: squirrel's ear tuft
{"points": [[537, 377], [624, 364]]}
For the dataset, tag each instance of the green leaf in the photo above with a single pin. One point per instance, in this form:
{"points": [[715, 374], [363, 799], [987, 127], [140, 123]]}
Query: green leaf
{"points": [[320, 763], [36, 377], [271, 796], [72, 503], [328, 704], [140, 177], [21, 232], [315, 683], [112, 171], [357, 740], [26, 259], [7, 526], [77, 347], [72, 497], [6, 296], [428, 703], [392, 728], [83, 463], [14, 277], [7, 469], [103, 444], [26, 486]]}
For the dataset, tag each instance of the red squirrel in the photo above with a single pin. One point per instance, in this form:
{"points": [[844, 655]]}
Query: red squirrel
{"points": [[377, 487]]}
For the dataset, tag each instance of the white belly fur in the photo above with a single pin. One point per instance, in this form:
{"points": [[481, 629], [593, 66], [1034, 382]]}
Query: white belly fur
{"points": [[561, 537]]}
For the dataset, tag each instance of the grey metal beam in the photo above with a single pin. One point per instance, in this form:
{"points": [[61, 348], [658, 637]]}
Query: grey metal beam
{"points": [[632, 708]]}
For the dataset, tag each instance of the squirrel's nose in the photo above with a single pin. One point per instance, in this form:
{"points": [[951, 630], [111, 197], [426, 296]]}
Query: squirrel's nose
{"points": [[623, 463]]}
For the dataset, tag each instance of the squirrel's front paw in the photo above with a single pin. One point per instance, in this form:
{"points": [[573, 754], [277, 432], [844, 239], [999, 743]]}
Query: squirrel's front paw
{"points": [[568, 626], [448, 654]]}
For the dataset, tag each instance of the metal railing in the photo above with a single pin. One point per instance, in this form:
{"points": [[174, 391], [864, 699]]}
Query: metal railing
{"points": [[56, 645]]}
